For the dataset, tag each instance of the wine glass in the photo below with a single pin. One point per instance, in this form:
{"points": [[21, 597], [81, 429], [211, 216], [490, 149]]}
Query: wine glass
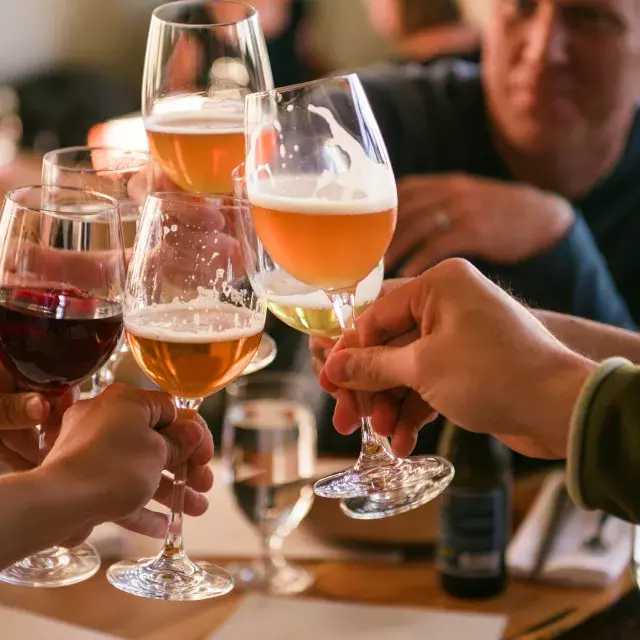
{"points": [[193, 324], [61, 286], [269, 449], [323, 203], [203, 57], [304, 308], [106, 170]]}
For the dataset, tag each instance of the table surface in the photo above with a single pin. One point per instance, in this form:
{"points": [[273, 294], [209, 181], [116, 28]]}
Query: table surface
{"points": [[97, 605]]}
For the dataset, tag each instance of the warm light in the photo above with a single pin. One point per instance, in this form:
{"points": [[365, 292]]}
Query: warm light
{"points": [[126, 133]]}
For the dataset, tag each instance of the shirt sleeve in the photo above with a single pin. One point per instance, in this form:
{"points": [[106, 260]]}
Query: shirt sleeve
{"points": [[603, 463]]}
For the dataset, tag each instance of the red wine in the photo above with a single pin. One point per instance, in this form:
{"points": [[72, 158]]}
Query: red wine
{"points": [[51, 339]]}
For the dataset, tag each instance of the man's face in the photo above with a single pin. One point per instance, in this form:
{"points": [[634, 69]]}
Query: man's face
{"points": [[558, 71]]}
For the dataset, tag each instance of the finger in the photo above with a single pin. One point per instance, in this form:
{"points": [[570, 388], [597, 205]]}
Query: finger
{"points": [[146, 522], [14, 461], [415, 412], [372, 368], [346, 417], [77, 538], [200, 479], [195, 504], [204, 453], [22, 410], [404, 440], [416, 237], [384, 413], [437, 249], [182, 438], [24, 443]]}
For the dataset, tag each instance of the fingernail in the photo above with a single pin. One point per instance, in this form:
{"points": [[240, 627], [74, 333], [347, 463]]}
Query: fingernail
{"points": [[34, 407]]}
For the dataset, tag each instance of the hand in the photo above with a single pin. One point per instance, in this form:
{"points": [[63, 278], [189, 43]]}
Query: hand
{"points": [[20, 414], [321, 347], [114, 447], [441, 216], [471, 352]]}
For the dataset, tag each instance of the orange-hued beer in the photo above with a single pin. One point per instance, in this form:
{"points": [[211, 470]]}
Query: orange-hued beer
{"points": [[330, 245], [197, 152], [192, 352]]}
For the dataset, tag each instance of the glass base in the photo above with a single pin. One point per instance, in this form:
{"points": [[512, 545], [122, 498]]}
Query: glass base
{"points": [[265, 355], [284, 580], [170, 578], [393, 503], [401, 475], [57, 567]]}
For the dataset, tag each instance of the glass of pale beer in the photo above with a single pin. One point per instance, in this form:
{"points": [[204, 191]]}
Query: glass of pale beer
{"points": [[193, 323], [202, 58], [304, 308], [324, 204]]}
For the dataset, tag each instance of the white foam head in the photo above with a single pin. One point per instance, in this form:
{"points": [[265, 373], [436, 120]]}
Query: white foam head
{"points": [[195, 322], [362, 186], [196, 114]]}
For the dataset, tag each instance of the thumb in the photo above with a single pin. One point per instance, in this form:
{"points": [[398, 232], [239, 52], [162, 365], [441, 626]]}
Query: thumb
{"points": [[369, 369], [22, 410]]}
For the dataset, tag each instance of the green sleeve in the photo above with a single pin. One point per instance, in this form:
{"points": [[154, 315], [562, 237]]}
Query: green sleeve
{"points": [[604, 442]]}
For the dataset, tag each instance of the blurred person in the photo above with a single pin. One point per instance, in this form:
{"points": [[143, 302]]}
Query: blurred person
{"points": [[105, 465], [528, 163], [452, 342], [424, 30]]}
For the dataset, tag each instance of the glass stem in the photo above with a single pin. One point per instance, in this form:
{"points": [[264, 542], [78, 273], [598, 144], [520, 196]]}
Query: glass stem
{"points": [[272, 558], [376, 449], [173, 544]]}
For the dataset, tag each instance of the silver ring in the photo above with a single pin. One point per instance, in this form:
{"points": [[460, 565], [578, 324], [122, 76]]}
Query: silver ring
{"points": [[442, 221]]}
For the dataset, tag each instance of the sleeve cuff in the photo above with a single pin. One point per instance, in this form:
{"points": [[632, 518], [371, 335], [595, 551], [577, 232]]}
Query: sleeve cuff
{"points": [[578, 423]]}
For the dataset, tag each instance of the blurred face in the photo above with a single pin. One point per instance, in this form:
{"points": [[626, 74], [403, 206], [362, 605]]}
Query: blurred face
{"points": [[558, 71]]}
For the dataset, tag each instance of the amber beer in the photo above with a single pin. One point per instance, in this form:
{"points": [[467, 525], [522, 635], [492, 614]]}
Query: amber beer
{"points": [[327, 244], [192, 352], [198, 153]]}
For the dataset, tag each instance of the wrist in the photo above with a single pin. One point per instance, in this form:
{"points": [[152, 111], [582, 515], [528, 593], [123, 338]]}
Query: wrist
{"points": [[561, 385]]}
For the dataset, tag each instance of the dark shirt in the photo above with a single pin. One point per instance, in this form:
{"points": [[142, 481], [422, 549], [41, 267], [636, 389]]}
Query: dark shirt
{"points": [[433, 120]]}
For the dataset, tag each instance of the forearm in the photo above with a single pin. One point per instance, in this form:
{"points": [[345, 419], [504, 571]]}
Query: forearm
{"points": [[593, 339], [38, 509]]}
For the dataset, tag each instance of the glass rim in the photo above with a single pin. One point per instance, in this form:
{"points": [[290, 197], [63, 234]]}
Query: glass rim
{"points": [[252, 12], [300, 85], [298, 378], [113, 205], [143, 156], [196, 199]]}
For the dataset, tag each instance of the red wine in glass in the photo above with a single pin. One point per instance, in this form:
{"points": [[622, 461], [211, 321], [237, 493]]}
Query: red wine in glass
{"points": [[53, 338]]}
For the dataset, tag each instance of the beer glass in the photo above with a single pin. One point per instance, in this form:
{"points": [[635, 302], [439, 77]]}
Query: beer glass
{"points": [[269, 450], [298, 305], [61, 292], [193, 324], [203, 57], [323, 202], [106, 170]]}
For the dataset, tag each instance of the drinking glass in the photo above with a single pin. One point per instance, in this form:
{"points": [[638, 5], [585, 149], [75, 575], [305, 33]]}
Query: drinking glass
{"points": [[202, 58], [298, 305], [61, 286], [323, 203], [269, 449], [193, 324], [106, 170]]}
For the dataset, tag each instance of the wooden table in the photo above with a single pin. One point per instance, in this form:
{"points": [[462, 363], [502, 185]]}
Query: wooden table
{"points": [[97, 605]]}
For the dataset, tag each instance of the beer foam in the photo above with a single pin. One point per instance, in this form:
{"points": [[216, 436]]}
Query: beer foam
{"points": [[300, 194], [194, 322], [364, 186], [195, 122], [281, 288]]}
